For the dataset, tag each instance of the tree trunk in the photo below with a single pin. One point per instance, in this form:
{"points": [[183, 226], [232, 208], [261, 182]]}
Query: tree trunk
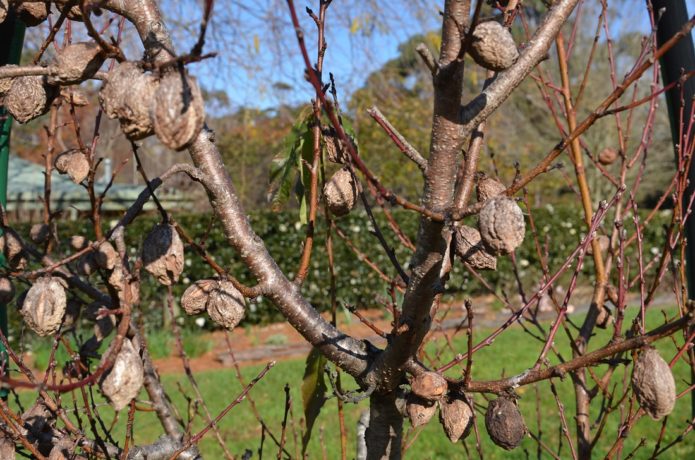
{"points": [[385, 430]]}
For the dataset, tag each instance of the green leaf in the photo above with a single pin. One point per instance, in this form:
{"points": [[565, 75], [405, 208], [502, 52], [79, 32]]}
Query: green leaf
{"points": [[313, 391]]}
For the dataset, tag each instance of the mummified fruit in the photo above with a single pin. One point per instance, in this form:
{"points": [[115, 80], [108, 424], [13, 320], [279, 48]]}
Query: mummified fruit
{"points": [[607, 156], [86, 264], [653, 384], [341, 192], [504, 423], [39, 233], [74, 13], [7, 451], [501, 224], [74, 163], [195, 298], [429, 385], [106, 256], [78, 242], [336, 150], [12, 247], [6, 83], [128, 95], [420, 411], [487, 188], [4, 8], [178, 111], [456, 417], [470, 249], [226, 305], [44, 305], [32, 12], [6, 290], [162, 254], [29, 97], [493, 46], [122, 383], [76, 63]]}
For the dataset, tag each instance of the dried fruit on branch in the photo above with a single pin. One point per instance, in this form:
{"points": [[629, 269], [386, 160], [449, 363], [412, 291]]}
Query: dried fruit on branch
{"points": [[74, 13], [504, 423], [74, 163], [76, 63], [456, 417], [607, 156], [225, 305], [122, 383], [195, 298], [487, 188], [32, 13], [429, 385], [106, 256], [6, 290], [341, 192], [128, 95], [44, 305], [78, 242], [12, 247], [492, 46], [162, 254], [470, 248], [178, 111], [336, 150], [420, 411], [653, 384], [501, 224], [39, 233], [4, 8], [6, 83], [29, 97]]}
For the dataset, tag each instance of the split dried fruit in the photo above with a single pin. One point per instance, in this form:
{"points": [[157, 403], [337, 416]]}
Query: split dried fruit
{"points": [[195, 298], [456, 417], [607, 156], [178, 111], [470, 248], [39, 233], [12, 247], [123, 381], [504, 423], [501, 224], [128, 94], [493, 46], [487, 188], [429, 385], [75, 164], [106, 256], [44, 305], [29, 97], [162, 254], [32, 13], [76, 63], [6, 290], [420, 411], [226, 305], [653, 384], [341, 192]]}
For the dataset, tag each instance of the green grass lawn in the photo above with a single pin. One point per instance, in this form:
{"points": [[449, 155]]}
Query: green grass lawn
{"points": [[513, 352]]}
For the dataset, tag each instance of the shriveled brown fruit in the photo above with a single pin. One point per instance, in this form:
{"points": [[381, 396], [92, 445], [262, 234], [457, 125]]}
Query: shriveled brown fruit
{"points": [[195, 297], [44, 305], [128, 95], [162, 254], [487, 188], [32, 13], [607, 156], [78, 242], [456, 417], [74, 96], [226, 305], [336, 150], [470, 248], [178, 111], [74, 13], [429, 385], [12, 247], [29, 97], [122, 383], [341, 192], [7, 451], [106, 256], [86, 264], [74, 163], [504, 423], [420, 411], [6, 290], [4, 9], [501, 225], [493, 46], [39, 233], [76, 63], [653, 384], [6, 83]]}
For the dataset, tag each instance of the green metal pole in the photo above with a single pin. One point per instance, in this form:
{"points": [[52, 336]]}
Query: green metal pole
{"points": [[12, 37]]}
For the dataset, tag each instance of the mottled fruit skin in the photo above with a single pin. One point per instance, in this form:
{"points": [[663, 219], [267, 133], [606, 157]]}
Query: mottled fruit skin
{"points": [[429, 385], [29, 97], [493, 46], [502, 225], [178, 111], [162, 254], [76, 63], [32, 12], [504, 423], [456, 417], [44, 306], [341, 192], [226, 305], [420, 411], [653, 384], [123, 381], [470, 248], [73, 163], [487, 188]]}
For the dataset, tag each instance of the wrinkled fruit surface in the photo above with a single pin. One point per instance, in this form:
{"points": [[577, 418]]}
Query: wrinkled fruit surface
{"points": [[502, 225], [470, 249], [123, 381], [652, 382], [225, 305], [178, 111], [29, 97], [162, 254], [456, 417], [420, 411], [504, 423], [493, 46], [76, 63], [341, 192], [73, 163], [44, 306], [488, 187], [429, 385]]}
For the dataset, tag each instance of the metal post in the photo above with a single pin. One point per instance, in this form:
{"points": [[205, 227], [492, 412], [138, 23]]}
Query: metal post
{"points": [[12, 38]]}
